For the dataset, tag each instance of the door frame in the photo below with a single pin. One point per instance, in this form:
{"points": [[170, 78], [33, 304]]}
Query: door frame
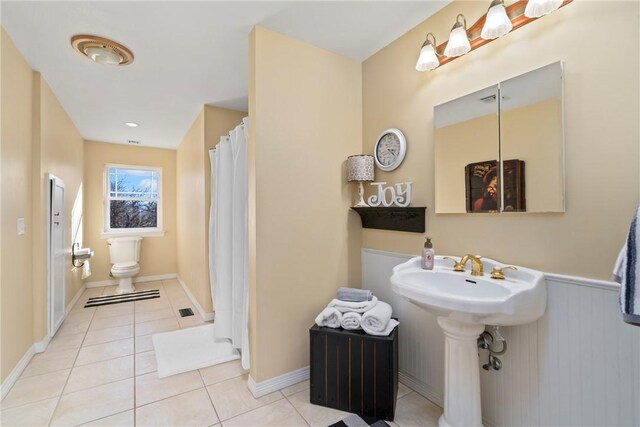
{"points": [[51, 181]]}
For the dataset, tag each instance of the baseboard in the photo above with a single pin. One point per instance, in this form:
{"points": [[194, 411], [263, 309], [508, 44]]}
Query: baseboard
{"points": [[140, 279], [277, 383], [75, 299], [16, 372], [206, 316], [421, 388], [41, 346]]}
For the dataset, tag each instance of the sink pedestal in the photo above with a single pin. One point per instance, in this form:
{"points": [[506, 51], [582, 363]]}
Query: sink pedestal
{"points": [[462, 374]]}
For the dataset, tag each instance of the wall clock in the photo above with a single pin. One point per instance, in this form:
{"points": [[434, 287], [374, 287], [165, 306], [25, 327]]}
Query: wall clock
{"points": [[391, 146]]}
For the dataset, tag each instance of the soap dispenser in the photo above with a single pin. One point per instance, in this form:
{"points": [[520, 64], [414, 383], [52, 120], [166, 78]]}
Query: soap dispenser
{"points": [[427, 255]]}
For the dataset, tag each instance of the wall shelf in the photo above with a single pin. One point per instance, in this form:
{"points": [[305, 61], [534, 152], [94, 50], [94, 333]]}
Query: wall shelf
{"points": [[410, 219]]}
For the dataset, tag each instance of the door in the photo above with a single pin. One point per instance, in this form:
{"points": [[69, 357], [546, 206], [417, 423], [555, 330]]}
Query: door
{"points": [[57, 252]]}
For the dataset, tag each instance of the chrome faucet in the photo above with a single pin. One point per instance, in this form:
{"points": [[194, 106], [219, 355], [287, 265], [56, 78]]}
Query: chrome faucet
{"points": [[477, 268]]}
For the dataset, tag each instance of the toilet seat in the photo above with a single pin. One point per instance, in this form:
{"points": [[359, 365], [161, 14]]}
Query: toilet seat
{"points": [[124, 266]]}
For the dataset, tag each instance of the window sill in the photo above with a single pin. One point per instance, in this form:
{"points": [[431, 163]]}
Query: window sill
{"points": [[132, 233]]}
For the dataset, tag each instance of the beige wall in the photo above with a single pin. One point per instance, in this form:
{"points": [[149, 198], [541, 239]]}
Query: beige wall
{"points": [[58, 150], [37, 138], [16, 291], [158, 254], [193, 180], [304, 242], [601, 124]]}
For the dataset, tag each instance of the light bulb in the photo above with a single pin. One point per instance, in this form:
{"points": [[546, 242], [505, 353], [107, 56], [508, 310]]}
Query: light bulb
{"points": [[103, 55], [458, 43], [428, 59], [538, 8], [497, 23]]}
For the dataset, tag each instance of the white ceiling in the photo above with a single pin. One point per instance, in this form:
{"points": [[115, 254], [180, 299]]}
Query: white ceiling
{"points": [[187, 54]]}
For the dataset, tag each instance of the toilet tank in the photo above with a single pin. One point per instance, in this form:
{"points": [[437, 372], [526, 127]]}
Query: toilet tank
{"points": [[124, 249]]}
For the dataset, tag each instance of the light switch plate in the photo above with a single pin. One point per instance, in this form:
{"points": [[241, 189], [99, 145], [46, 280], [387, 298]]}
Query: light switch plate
{"points": [[20, 226]]}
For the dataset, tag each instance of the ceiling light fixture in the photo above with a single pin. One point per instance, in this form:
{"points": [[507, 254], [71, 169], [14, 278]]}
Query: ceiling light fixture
{"points": [[497, 23], [458, 43], [538, 8], [132, 124], [101, 50], [428, 59]]}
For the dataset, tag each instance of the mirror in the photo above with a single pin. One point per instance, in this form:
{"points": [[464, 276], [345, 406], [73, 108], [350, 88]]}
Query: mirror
{"points": [[501, 149]]}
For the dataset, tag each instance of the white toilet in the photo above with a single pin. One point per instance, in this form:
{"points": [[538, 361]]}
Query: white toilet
{"points": [[125, 254]]}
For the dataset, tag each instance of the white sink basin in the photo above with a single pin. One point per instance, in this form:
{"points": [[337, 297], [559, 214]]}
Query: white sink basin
{"points": [[464, 304], [520, 298]]}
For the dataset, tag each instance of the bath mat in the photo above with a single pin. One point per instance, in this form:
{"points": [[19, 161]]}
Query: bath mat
{"points": [[120, 298], [358, 421], [190, 349]]}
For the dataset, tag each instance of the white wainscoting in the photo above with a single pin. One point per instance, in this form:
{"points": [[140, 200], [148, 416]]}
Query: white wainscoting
{"points": [[578, 365]]}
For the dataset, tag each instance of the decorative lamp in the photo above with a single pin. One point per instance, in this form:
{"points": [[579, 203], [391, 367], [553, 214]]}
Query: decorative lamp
{"points": [[497, 23], [458, 43], [360, 169], [538, 8], [428, 59]]}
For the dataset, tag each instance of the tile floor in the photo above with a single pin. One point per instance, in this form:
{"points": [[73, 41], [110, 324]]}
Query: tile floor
{"points": [[100, 370]]}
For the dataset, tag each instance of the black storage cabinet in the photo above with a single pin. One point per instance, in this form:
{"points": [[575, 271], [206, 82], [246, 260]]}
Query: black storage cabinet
{"points": [[354, 372]]}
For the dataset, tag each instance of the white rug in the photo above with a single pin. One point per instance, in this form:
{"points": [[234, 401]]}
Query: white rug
{"points": [[190, 349]]}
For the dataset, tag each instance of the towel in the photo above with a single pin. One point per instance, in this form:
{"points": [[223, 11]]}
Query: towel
{"points": [[86, 269], [351, 321], [378, 321], [355, 295], [357, 307], [329, 317], [627, 273]]}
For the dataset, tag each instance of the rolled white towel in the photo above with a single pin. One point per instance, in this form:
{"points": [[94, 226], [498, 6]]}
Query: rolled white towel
{"points": [[357, 307], [329, 317], [351, 321], [378, 321], [353, 294]]}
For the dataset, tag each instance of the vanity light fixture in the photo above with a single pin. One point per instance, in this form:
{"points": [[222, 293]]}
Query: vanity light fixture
{"points": [[538, 8], [497, 23], [131, 124], [102, 51], [458, 43], [428, 59]]}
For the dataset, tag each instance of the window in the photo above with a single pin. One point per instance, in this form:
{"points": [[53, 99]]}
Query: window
{"points": [[133, 200]]}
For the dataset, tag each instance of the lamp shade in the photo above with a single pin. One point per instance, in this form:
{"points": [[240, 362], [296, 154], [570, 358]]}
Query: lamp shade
{"points": [[538, 8], [497, 23], [360, 168], [428, 60], [458, 43]]}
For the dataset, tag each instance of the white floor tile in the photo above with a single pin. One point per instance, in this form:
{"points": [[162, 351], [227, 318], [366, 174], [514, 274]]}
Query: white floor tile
{"points": [[413, 410], [144, 344], [193, 408], [65, 343], [276, 414], [232, 397], [224, 371], [150, 388], [105, 351], [146, 362], [156, 326], [107, 335], [36, 388], [148, 316], [123, 419], [44, 363], [95, 374], [32, 414], [94, 403], [315, 415], [111, 322], [296, 388]]}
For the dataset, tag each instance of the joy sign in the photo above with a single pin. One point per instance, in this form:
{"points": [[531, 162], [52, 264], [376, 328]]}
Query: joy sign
{"points": [[397, 195]]}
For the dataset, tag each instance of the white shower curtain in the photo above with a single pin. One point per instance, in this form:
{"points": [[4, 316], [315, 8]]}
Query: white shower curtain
{"points": [[228, 245]]}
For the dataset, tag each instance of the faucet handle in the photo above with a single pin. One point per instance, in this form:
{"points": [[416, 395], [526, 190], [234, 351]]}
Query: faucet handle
{"points": [[497, 272], [457, 265]]}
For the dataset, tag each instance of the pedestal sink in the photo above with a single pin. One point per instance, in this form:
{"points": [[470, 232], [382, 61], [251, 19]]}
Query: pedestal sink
{"points": [[464, 304]]}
